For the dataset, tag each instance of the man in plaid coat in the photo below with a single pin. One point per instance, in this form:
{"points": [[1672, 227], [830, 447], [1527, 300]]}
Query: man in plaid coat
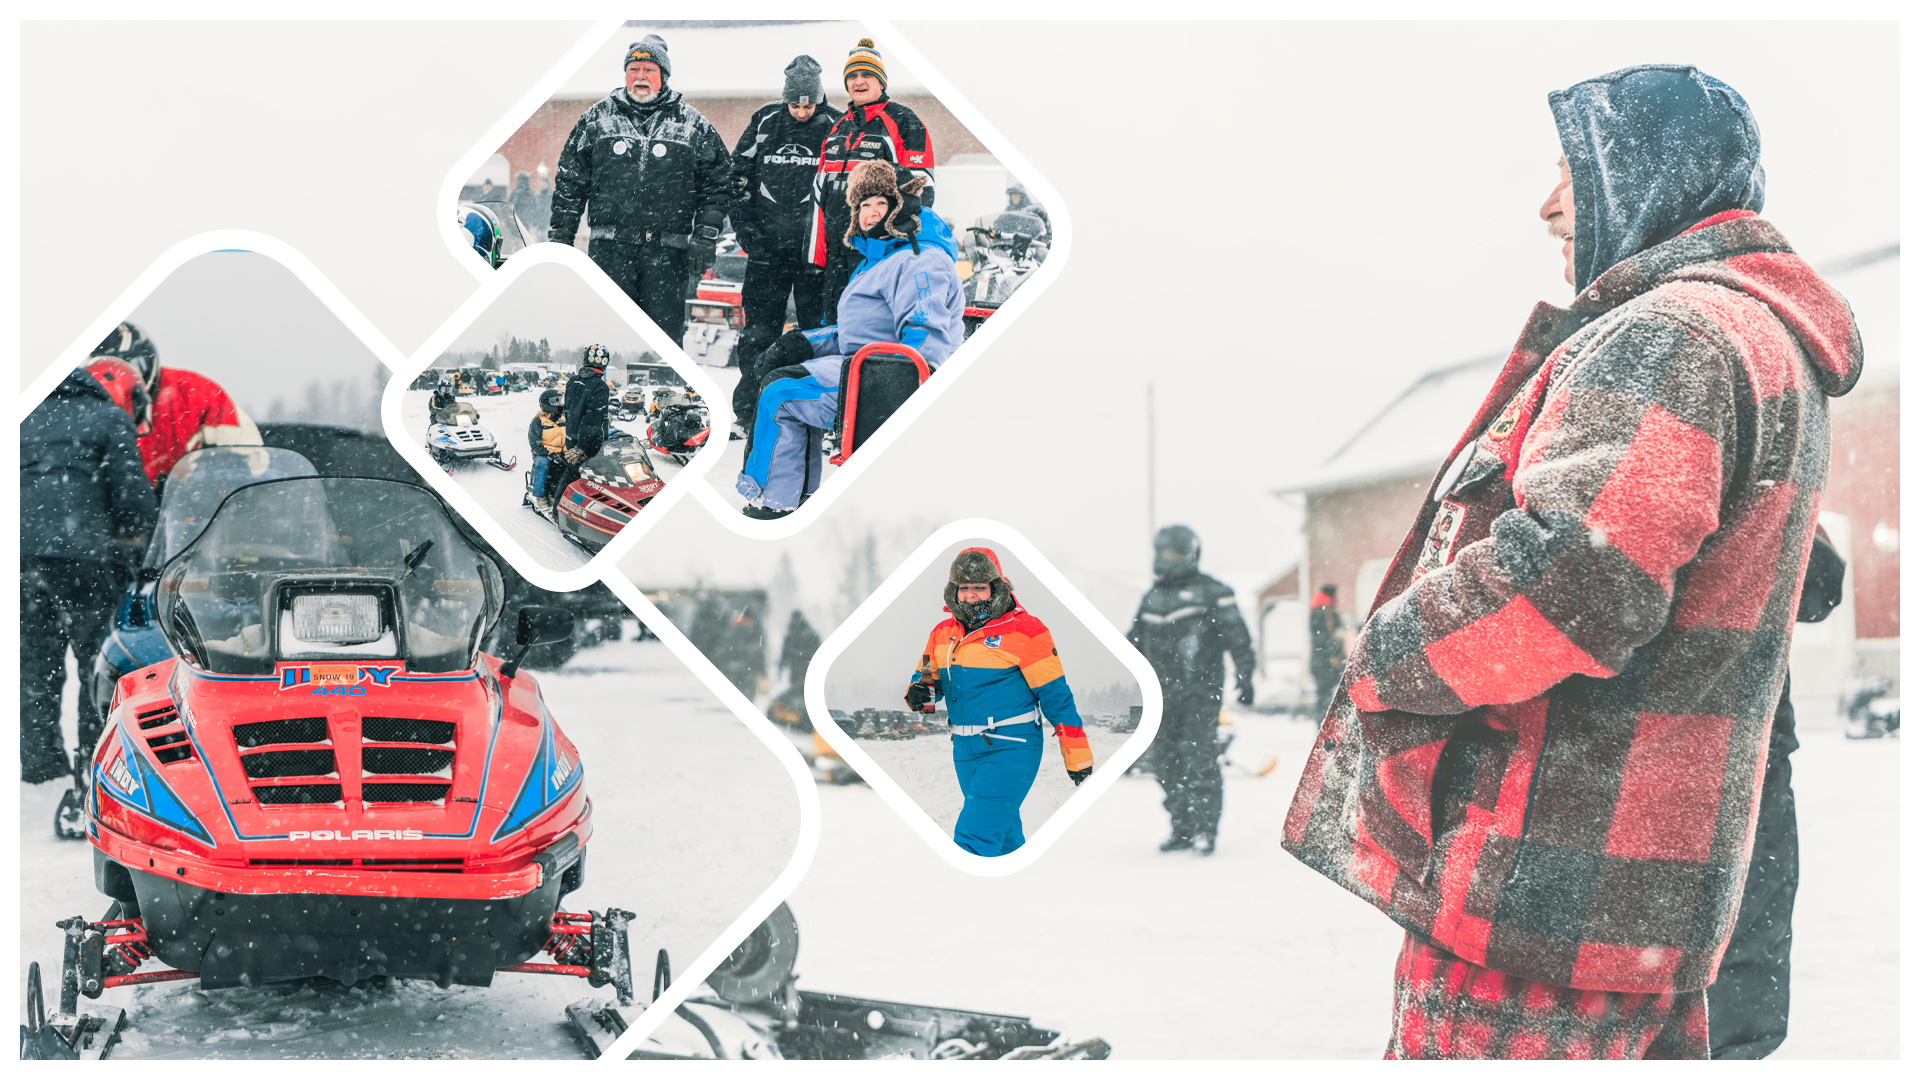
{"points": [[1545, 751]]}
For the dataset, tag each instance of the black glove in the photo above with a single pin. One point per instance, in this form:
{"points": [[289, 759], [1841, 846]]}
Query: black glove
{"points": [[1246, 694], [700, 254], [920, 697], [787, 350], [1080, 775], [742, 187]]}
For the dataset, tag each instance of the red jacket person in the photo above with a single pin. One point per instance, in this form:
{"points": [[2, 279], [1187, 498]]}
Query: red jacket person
{"points": [[1545, 751]]}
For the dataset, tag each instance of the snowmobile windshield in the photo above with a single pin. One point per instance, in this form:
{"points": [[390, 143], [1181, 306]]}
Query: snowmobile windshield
{"points": [[513, 234], [202, 480], [1016, 224], [458, 414], [328, 568], [621, 462], [730, 267]]}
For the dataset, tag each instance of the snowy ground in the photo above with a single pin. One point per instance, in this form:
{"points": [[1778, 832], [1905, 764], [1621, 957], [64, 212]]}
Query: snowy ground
{"points": [[728, 470], [1248, 954], [693, 819], [507, 416], [923, 768]]}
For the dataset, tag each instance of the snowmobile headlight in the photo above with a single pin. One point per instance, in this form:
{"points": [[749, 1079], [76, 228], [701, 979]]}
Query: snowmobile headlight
{"points": [[636, 471], [337, 618]]}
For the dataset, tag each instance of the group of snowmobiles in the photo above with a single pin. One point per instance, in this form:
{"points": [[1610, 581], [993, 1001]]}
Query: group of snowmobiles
{"points": [[310, 766]]}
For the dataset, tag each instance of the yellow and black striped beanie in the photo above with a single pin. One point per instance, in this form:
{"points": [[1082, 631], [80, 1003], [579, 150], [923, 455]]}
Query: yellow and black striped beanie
{"points": [[864, 57]]}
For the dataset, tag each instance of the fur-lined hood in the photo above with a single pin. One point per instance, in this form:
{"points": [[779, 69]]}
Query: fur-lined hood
{"points": [[872, 178]]}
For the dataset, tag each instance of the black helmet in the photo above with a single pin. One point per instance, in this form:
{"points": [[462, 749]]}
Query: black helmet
{"points": [[128, 343], [596, 356], [552, 399], [1176, 552]]}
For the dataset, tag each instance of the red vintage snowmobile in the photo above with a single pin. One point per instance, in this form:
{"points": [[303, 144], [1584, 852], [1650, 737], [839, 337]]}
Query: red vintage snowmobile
{"points": [[329, 778], [613, 485]]}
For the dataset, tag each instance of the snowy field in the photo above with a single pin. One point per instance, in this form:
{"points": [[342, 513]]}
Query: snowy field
{"points": [[506, 416], [923, 768], [1248, 954], [693, 819]]}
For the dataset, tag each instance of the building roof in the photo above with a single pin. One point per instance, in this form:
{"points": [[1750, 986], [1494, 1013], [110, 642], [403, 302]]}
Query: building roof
{"points": [[746, 59]]}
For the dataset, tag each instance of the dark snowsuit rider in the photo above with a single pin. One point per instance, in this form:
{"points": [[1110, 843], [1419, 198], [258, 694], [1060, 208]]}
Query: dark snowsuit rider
{"points": [[774, 164], [652, 174], [586, 406], [84, 503], [1186, 625]]}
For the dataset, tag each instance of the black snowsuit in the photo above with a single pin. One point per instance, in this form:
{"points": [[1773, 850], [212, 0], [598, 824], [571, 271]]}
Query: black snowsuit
{"points": [[1747, 1002], [797, 649], [649, 173], [882, 130], [1324, 654], [586, 416], [778, 158], [81, 485], [1185, 626]]}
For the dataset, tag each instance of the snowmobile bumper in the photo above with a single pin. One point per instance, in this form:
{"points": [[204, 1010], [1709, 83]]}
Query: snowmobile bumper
{"points": [[248, 939]]}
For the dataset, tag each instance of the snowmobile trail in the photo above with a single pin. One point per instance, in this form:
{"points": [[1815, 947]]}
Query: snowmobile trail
{"points": [[693, 818]]}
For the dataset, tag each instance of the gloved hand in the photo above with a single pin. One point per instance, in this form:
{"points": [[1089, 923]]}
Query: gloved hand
{"points": [[742, 188], [1246, 694], [1080, 775], [574, 455], [700, 254], [920, 697]]}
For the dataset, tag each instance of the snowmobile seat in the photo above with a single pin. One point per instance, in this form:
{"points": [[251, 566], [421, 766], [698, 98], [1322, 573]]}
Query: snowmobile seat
{"points": [[874, 383]]}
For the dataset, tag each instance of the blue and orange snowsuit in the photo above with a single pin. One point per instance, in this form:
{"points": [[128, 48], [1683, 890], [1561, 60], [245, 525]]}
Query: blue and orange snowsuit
{"points": [[1000, 682]]}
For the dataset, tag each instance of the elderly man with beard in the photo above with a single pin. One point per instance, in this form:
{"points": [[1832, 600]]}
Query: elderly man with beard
{"points": [[1544, 755], [652, 176], [996, 666]]}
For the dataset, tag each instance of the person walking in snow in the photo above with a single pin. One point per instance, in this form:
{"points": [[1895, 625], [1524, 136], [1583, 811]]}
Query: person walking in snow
{"points": [[874, 128], [906, 289], [86, 507], [997, 669], [652, 174], [1543, 757], [774, 164], [797, 649], [1325, 658], [1186, 625]]}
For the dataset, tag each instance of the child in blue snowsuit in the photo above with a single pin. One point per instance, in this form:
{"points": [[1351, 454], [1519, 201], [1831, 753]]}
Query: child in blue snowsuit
{"points": [[907, 290]]}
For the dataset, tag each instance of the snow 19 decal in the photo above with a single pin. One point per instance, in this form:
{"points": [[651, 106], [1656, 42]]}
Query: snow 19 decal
{"points": [[983, 698], [550, 409], [331, 774], [791, 205]]}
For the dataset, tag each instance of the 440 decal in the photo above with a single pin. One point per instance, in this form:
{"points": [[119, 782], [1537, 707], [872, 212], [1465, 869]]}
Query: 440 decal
{"points": [[342, 679]]}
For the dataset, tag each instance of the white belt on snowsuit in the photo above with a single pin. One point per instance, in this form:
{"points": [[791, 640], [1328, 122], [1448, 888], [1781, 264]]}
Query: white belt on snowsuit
{"points": [[1031, 716]]}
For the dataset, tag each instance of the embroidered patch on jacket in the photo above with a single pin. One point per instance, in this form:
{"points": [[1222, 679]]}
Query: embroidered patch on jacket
{"points": [[1438, 550], [993, 642], [1509, 420]]}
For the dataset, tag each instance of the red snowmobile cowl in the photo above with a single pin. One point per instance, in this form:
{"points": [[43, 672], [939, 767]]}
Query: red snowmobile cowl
{"points": [[613, 486], [330, 778], [354, 779]]}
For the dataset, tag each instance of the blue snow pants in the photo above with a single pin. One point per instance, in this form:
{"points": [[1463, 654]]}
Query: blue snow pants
{"points": [[995, 775], [794, 415]]}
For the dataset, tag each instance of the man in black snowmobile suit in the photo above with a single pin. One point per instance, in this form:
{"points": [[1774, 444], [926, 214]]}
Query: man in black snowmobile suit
{"points": [[652, 175], [874, 128], [1019, 202], [84, 504], [797, 648], [586, 413], [1186, 623], [774, 164]]}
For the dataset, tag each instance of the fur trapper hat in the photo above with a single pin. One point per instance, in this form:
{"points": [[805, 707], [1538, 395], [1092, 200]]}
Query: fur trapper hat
{"points": [[884, 178], [978, 566]]}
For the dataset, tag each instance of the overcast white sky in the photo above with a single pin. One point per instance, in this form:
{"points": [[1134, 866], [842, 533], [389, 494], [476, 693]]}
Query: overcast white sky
{"points": [[551, 302]]}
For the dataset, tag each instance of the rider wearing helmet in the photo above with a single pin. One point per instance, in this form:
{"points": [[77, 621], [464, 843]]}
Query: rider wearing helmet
{"points": [[547, 438], [188, 410], [586, 411]]}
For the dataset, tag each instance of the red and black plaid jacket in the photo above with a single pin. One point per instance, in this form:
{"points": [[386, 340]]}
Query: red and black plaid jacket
{"points": [[1548, 745]]}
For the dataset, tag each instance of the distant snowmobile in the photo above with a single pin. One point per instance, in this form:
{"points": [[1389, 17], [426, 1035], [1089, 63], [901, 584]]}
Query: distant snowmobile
{"points": [[454, 435], [679, 430]]}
